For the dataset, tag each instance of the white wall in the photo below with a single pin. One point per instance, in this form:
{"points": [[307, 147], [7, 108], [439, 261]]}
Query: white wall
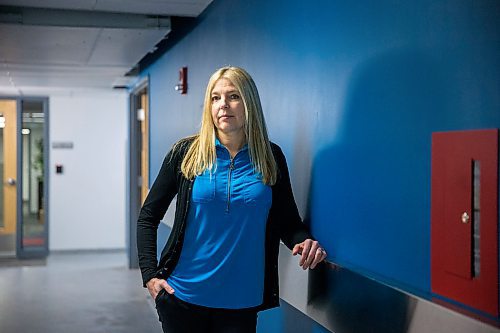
{"points": [[87, 201]]}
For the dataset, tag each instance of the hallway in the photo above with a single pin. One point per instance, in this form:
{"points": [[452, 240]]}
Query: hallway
{"points": [[89, 292]]}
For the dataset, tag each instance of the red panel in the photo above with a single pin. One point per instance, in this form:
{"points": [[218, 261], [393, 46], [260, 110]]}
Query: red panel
{"points": [[457, 200], [451, 240]]}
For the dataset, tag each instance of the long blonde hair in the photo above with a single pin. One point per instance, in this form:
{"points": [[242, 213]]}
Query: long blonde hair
{"points": [[201, 154]]}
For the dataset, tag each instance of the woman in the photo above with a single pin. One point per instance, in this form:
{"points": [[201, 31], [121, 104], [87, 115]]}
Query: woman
{"points": [[234, 204]]}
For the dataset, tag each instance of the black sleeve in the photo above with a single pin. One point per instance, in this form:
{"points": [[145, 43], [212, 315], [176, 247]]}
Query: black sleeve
{"points": [[153, 210], [284, 208]]}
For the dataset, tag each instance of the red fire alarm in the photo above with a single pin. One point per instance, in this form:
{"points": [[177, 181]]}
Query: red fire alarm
{"points": [[182, 85]]}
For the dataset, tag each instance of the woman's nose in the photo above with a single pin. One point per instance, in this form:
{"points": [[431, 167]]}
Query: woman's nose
{"points": [[223, 104]]}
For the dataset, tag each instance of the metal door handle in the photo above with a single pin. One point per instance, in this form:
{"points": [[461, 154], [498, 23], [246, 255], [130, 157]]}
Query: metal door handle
{"points": [[10, 181], [465, 218]]}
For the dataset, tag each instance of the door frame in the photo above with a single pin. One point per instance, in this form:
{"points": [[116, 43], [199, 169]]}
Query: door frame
{"points": [[38, 252], [134, 166]]}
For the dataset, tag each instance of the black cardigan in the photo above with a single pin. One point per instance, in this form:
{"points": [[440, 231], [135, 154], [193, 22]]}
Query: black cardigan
{"points": [[283, 222]]}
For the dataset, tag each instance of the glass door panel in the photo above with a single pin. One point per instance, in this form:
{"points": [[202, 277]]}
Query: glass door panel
{"points": [[33, 221]]}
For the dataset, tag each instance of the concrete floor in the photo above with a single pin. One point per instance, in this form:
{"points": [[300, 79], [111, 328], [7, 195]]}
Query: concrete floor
{"points": [[78, 293]]}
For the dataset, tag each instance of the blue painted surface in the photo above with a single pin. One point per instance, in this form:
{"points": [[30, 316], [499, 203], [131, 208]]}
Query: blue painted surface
{"points": [[162, 237], [270, 321], [352, 93], [287, 319]]}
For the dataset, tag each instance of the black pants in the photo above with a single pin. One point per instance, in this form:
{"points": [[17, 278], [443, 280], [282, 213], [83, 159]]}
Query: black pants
{"points": [[177, 316]]}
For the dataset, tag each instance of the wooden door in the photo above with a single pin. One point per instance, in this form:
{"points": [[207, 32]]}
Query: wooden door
{"points": [[143, 117], [8, 186]]}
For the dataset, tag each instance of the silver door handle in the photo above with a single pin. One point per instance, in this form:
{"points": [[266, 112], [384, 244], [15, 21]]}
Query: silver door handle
{"points": [[465, 218], [10, 181]]}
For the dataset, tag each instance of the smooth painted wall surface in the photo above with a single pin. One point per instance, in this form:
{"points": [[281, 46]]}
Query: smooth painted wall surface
{"points": [[352, 92], [87, 201]]}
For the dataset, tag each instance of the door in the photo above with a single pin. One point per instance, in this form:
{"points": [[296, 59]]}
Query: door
{"points": [[464, 218], [8, 170], [33, 221], [138, 162], [143, 113]]}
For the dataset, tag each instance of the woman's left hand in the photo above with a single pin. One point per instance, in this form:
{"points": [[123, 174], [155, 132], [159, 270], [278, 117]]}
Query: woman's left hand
{"points": [[311, 253]]}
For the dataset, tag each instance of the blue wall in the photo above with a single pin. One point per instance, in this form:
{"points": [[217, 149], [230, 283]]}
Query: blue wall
{"points": [[352, 92]]}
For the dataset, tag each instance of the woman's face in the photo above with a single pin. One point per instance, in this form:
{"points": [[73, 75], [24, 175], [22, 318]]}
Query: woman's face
{"points": [[228, 111]]}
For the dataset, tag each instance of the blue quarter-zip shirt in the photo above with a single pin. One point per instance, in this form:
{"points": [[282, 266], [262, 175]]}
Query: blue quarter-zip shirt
{"points": [[222, 260]]}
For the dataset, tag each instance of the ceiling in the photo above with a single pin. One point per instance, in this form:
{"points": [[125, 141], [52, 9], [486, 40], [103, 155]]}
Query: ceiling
{"points": [[48, 45]]}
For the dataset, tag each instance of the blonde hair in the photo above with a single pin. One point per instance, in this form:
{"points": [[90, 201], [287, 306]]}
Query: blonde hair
{"points": [[201, 154]]}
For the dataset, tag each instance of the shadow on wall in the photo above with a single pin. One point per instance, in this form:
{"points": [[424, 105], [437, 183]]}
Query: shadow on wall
{"points": [[369, 202], [354, 303]]}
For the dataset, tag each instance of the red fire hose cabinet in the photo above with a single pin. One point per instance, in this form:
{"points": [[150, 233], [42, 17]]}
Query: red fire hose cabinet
{"points": [[464, 218]]}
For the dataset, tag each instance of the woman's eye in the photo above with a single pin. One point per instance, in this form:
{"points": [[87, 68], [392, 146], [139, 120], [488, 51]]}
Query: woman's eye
{"points": [[215, 98], [234, 96]]}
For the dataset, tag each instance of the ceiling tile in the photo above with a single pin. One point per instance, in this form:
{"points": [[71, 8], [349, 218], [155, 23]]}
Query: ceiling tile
{"points": [[123, 47], [46, 45], [156, 7]]}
